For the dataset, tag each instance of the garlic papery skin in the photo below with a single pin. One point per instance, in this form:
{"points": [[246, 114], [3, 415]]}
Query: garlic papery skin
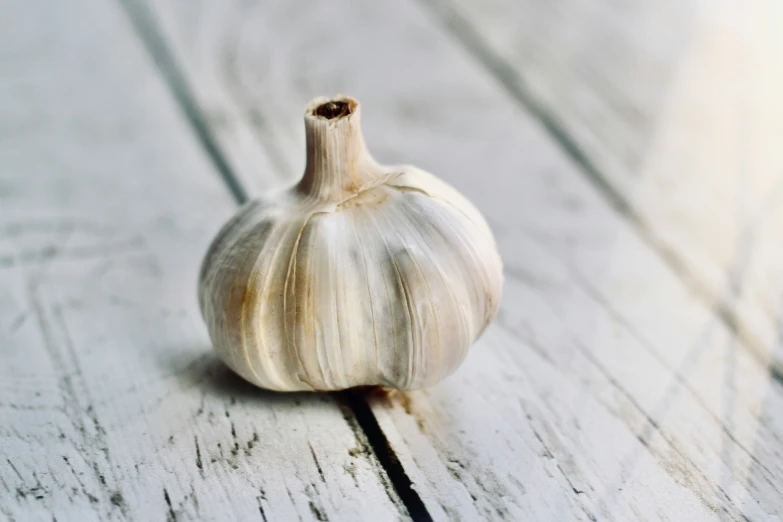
{"points": [[360, 274]]}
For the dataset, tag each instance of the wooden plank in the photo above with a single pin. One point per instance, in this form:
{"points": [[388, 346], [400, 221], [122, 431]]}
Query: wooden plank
{"points": [[606, 390], [675, 106], [112, 405]]}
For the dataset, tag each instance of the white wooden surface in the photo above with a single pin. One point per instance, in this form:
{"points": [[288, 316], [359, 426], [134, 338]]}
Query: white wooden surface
{"points": [[675, 105], [112, 406], [606, 390]]}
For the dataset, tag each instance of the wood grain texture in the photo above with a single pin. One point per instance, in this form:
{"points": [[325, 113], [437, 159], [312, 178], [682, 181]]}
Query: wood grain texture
{"points": [[675, 106], [606, 389], [112, 406]]}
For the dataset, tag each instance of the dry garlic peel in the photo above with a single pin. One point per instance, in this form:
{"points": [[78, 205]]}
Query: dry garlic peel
{"points": [[361, 274]]}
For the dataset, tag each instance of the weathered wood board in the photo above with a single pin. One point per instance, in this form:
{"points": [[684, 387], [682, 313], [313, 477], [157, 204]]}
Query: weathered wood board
{"points": [[674, 106], [607, 389], [112, 406]]}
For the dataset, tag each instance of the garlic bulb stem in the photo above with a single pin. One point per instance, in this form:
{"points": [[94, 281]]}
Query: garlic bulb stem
{"points": [[338, 162]]}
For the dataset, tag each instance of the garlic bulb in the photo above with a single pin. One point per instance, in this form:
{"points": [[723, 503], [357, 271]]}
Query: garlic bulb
{"points": [[361, 274]]}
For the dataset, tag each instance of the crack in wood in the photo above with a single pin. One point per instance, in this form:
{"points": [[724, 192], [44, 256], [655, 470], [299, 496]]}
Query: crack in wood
{"points": [[150, 34], [171, 515], [260, 498], [380, 445], [317, 464], [199, 463]]}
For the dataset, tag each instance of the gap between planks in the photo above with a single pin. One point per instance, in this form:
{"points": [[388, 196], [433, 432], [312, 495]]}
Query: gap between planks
{"points": [[354, 400], [499, 69]]}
